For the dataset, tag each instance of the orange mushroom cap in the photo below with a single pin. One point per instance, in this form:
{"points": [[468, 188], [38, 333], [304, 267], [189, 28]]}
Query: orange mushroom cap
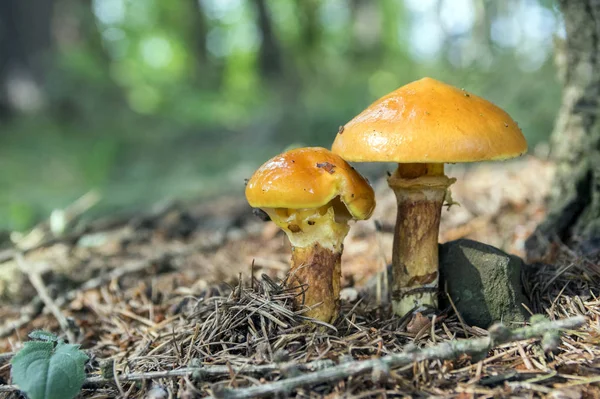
{"points": [[428, 121], [310, 178]]}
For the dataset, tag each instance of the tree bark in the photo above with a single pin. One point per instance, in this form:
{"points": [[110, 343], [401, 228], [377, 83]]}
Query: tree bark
{"points": [[574, 207]]}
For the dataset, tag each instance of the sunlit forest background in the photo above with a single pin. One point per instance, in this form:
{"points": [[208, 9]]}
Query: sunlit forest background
{"points": [[146, 100]]}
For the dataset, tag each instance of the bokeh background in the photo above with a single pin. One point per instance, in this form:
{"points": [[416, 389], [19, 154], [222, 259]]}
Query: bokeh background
{"points": [[146, 100]]}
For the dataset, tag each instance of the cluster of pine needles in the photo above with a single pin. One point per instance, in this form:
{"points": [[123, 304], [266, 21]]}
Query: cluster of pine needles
{"points": [[148, 344]]}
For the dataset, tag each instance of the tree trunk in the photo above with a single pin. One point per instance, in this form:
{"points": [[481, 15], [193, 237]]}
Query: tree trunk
{"points": [[76, 30], [270, 54], [198, 28], [310, 30], [574, 209], [25, 40]]}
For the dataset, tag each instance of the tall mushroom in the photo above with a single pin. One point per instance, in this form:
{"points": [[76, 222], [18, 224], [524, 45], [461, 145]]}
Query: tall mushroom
{"points": [[311, 194], [421, 126]]}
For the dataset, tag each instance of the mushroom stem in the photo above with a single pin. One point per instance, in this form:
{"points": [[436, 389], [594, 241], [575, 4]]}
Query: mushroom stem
{"points": [[319, 269], [316, 236], [420, 191]]}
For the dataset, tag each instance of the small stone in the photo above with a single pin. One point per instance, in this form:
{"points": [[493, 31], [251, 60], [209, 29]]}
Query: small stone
{"points": [[349, 294], [484, 283], [157, 392]]}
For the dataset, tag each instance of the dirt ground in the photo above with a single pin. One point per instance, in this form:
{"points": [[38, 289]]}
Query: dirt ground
{"points": [[198, 285]]}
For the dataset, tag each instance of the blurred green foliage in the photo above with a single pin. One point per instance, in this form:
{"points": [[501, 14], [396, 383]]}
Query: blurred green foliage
{"points": [[152, 99]]}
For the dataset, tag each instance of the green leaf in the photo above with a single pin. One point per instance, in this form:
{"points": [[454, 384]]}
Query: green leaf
{"points": [[49, 369]]}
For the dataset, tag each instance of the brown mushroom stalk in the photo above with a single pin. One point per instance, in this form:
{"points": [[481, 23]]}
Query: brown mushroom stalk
{"points": [[312, 194], [316, 267], [420, 190]]}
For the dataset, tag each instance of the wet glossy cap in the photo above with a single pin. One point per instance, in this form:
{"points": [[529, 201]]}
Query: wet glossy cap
{"points": [[428, 121], [310, 178]]}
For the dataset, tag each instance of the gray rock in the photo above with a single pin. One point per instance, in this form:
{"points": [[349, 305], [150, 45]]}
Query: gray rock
{"points": [[484, 283]]}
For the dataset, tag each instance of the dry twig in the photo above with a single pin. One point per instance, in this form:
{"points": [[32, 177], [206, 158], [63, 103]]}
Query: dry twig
{"points": [[444, 351], [38, 284]]}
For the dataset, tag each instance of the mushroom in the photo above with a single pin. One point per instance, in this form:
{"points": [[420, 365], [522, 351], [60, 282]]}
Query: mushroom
{"points": [[312, 194], [421, 126]]}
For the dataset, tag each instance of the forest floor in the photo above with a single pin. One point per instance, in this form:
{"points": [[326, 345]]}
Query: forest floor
{"points": [[196, 289]]}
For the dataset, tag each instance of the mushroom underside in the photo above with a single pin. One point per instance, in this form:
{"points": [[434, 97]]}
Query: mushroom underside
{"points": [[317, 236]]}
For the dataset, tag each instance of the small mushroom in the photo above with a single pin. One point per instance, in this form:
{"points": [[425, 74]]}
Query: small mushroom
{"points": [[312, 194], [421, 126]]}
